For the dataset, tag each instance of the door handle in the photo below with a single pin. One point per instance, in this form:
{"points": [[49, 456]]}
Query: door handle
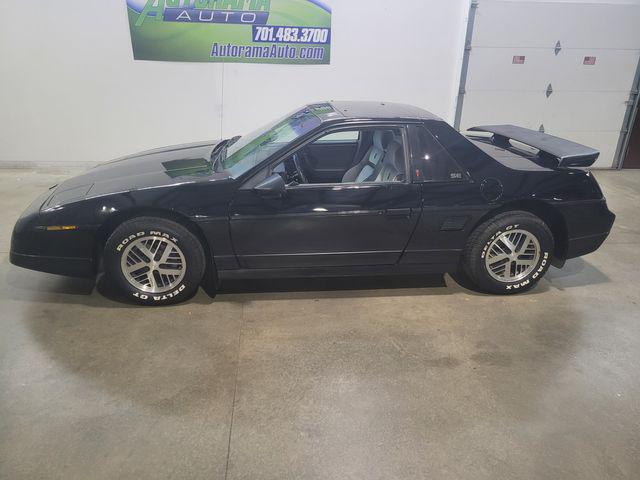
{"points": [[398, 212]]}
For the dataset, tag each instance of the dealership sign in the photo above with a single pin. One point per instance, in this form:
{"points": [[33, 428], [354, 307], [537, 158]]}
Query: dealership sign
{"points": [[241, 31]]}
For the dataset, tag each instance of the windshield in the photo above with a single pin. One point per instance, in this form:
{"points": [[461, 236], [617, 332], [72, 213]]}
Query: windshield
{"points": [[257, 146]]}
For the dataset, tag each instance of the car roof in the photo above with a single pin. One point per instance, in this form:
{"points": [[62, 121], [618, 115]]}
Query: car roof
{"points": [[380, 111]]}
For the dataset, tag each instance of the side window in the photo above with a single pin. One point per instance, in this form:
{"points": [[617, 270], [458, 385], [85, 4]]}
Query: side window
{"points": [[366, 155], [340, 137], [431, 162]]}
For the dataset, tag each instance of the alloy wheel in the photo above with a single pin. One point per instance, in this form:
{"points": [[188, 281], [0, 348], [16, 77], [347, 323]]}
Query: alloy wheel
{"points": [[512, 256], [153, 264]]}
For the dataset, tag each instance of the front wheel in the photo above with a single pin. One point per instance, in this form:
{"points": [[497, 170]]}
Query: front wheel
{"points": [[509, 253], [154, 261]]}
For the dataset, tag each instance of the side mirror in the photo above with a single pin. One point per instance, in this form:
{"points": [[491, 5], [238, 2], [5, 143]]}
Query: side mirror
{"points": [[271, 187]]}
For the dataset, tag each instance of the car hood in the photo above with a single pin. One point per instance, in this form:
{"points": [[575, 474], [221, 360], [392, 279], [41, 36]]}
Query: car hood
{"points": [[161, 167]]}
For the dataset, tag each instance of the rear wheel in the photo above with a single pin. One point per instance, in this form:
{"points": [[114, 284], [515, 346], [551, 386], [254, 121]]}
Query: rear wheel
{"points": [[154, 261], [509, 253]]}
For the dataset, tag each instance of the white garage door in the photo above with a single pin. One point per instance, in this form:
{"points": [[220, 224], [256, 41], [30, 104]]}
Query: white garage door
{"points": [[578, 90]]}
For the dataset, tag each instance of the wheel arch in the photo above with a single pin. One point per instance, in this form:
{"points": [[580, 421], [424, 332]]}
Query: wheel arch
{"points": [[210, 279], [547, 213]]}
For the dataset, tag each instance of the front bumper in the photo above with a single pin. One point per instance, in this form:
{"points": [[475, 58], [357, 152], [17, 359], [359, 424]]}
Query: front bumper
{"points": [[70, 253], [68, 266]]}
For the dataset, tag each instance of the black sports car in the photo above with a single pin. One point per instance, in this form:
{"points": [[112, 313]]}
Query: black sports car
{"points": [[338, 188]]}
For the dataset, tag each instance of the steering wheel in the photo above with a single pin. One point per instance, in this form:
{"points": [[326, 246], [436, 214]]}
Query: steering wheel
{"points": [[296, 161]]}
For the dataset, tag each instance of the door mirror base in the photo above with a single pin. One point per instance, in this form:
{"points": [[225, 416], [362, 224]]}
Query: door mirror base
{"points": [[271, 187]]}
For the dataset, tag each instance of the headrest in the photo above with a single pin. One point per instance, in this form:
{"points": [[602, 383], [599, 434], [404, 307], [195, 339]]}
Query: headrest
{"points": [[382, 138], [395, 155]]}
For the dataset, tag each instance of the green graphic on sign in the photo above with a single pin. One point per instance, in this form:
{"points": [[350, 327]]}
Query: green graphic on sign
{"points": [[240, 31]]}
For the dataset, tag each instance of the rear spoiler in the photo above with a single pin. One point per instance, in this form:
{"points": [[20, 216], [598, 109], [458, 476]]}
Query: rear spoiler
{"points": [[565, 152]]}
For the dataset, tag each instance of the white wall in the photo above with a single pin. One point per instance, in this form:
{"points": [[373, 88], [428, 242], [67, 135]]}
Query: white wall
{"points": [[71, 93]]}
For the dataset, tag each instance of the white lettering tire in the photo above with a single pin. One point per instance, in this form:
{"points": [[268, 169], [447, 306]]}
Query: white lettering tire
{"points": [[509, 253], [154, 261]]}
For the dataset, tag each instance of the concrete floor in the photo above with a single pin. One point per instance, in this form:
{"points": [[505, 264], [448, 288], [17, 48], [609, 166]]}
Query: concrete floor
{"points": [[365, 378]]}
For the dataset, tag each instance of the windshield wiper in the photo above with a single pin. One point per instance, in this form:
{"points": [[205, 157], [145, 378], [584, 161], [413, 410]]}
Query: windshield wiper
{"points": [[218, 147], [216, 154], [219, 153]]}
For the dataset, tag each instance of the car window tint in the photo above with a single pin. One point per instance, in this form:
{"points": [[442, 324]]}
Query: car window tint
{"points": [[255, 147], [366, 155], [340, 137], [432, 162]]}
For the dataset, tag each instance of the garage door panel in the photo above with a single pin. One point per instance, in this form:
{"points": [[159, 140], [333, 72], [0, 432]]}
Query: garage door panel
{"points": [[588, 102], [542, 24], [586, 111], [493, 69], [518, 108], [575, 111]]}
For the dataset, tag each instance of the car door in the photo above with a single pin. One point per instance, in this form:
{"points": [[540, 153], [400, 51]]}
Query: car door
{"points": [[326, 225]]}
